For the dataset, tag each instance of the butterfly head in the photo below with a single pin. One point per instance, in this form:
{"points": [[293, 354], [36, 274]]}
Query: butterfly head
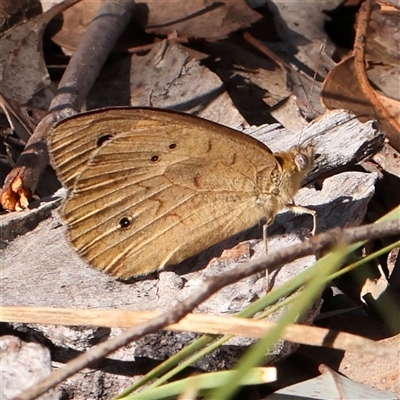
{"points": [[303, 158], [294, 165]]}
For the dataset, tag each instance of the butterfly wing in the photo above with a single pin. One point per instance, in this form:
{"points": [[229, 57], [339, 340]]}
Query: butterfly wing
{"points": [[158, 193], [73, 141]]}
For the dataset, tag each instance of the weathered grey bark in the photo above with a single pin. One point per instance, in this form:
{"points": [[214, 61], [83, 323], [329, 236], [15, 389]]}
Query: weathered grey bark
{"points": [[22, 365]]}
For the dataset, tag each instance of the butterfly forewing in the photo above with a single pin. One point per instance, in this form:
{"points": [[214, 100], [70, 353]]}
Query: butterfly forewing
{"points": [[74, 141]]}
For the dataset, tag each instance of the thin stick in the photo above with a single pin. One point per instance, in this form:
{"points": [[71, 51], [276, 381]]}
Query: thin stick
{"points": [[199, 323], [267, 52]]}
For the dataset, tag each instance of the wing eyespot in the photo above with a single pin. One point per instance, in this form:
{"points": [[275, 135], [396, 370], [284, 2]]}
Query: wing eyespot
{"points": [[125, 222], [102, 139], [172, 146], [155, 158]]}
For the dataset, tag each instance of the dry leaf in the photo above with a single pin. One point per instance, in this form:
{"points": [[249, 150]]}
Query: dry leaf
{"points": [[383, 36], [331, 385], [21, 48], [382, 374], [13, 12], [240, 251], [348, 84], [199, 19], [255, 83], [342, 89], [389, 160], [168, 78]]}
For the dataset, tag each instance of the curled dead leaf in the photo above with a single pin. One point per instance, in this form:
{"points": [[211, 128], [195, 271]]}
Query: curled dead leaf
{"points": [[348, 86], [15, 197]]}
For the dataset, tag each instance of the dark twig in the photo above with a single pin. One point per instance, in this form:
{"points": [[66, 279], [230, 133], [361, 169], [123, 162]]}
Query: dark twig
{"points": [[91, 54], [270, 262], [267, 52]]}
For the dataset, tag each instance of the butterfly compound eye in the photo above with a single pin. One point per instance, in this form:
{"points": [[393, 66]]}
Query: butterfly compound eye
{"points": [[302, 161]]}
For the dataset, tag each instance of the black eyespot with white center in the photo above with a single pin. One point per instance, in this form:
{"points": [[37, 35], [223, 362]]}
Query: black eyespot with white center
{"points": [[125, 222], [155, 158]]}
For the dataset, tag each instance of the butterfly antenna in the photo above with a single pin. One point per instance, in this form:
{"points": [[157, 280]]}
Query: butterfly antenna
{"points": [[321, 49], [301, 143]]}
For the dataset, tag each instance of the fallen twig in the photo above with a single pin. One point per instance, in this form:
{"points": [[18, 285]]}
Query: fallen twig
{"points": [[199, 323]]}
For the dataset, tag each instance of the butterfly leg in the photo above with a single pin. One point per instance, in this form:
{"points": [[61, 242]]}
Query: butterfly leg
{"points": [[265, 240], [303, 210], [297, 210], [265, 237]]}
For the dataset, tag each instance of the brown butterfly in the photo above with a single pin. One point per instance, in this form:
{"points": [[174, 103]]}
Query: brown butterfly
{"points": [[149, 188]]}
